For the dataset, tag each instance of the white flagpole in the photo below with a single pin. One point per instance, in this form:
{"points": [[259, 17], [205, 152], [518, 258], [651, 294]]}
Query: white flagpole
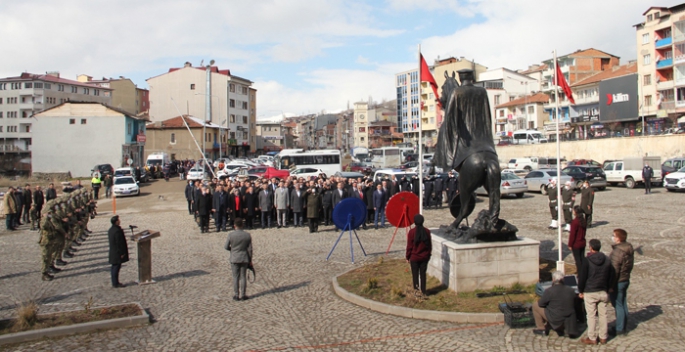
{"points": [[420, 141], [560, 262]]}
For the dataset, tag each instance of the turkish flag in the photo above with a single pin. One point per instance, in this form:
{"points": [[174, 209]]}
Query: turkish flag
{"points": [[425, 75], [561, 82]]}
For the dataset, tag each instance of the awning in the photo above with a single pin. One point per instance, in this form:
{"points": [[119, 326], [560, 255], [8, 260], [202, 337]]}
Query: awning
{"points": [[681, 119]]}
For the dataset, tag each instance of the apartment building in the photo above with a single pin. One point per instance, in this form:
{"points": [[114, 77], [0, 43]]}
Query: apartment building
{"points": [[231, 99], [27, 94], [361, 125], [270, 135], [522, 113], [660, 43], [125, 94]]}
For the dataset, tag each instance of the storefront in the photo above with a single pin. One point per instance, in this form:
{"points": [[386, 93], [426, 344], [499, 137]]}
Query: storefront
{"points": [[618, 107]]}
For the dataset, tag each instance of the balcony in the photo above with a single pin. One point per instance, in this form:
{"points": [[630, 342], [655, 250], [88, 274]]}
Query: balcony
{"points": [[663, 42], [664, 85], [669, 106], [680, 104], [679, 59], [664, 63]]}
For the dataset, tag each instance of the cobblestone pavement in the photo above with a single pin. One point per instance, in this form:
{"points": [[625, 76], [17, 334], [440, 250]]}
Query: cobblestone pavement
{"points": [[292, 305]]}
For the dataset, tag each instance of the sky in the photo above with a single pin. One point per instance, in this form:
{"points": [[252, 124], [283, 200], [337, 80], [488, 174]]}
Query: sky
{"points": [[305, 56]]}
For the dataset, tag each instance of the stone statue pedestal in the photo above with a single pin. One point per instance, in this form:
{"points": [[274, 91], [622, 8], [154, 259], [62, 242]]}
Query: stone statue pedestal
{"points": [[467, 267]]}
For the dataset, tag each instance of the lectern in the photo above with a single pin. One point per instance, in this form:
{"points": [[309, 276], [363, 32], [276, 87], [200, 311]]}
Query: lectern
{"points": [[144, 241]]}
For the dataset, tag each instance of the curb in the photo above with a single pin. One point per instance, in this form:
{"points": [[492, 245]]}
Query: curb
{"points": [[454, 317], [24, 336]]}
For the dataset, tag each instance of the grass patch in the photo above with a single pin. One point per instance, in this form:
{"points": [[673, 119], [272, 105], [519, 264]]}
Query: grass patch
{"points": [[27, 317]]}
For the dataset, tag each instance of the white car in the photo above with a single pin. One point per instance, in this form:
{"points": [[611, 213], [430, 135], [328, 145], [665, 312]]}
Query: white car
{"points": [[426, 167], [511, 184], [195, 173], [124, 171], [675, 181], [125, 186], [307, 172]]}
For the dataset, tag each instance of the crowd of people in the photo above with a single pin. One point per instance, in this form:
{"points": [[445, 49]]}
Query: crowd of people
{"points": [[266, 203]]}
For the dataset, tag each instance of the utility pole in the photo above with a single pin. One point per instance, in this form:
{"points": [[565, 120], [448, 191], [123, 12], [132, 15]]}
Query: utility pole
{"points": [[208, 107]]}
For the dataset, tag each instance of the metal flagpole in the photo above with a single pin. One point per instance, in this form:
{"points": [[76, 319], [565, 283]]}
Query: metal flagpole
{"points": [[420, 139], [560, 262]]}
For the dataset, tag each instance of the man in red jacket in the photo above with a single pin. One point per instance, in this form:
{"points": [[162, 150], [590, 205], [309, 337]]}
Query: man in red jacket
{"points": [[418, 252]]}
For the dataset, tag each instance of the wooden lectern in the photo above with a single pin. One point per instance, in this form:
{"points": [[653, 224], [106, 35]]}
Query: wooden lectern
{"points": [[144, 241]]}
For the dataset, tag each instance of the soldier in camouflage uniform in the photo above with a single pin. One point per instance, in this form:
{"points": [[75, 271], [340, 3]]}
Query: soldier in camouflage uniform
{"points": [[58, 222], [47, 235]]}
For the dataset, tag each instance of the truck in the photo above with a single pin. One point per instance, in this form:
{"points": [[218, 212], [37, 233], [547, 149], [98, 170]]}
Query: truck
{"points": [[360, 154], [158, 158], [629, 171]]}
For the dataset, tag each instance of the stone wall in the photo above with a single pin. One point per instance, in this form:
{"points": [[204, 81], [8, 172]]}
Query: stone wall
{"points": [[601, 149]]}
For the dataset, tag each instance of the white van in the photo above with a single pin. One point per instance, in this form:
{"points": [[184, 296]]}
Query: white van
{"points": [[159, 159], [528, 137]]}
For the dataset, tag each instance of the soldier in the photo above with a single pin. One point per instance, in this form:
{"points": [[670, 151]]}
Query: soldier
{"points": [[57, 243], [438, 186], [427, 191], [451, 187], [46, 237], [568, 197], [586, 202], [553, 203], [415, 184]]}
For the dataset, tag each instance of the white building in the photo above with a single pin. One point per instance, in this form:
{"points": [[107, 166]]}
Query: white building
{"points": [[184, 91], [74, 137]]}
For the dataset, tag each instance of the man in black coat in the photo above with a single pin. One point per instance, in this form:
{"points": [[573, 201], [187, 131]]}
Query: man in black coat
{"points": [[327, 203], [368, 198], [250, 207], [38, 199], [594, 281], [118, 250], [219, 208], [555, 309], [51, 192], [189, 196], [26, 202], [427, 192], [451, 187], [415, 184], [438, 186], [204, 208], [197, 192]]}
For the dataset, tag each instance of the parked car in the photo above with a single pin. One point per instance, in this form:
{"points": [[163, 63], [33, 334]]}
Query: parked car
{"points": [[672, 165], [594, 174], [362, 167], [124, 171], [583, 162], [538, 180], [196, 173], [265, 171], [307, 172], [675, 181], [409, 164], [103, 170], [349, 174], [530, 163], [125, 186], [510, 184], [379, 175]]}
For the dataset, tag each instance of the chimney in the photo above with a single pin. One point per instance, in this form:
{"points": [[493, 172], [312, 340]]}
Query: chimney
{"points": [[53, 73]]}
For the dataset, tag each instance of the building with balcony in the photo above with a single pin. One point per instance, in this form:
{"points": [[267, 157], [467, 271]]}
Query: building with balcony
{"points": [[660, 43], [172, 136], [88, 134], [231, 100], [522, 113], [575, 66], [271, 135], [27, 94], [384, 134], [125, 94]]}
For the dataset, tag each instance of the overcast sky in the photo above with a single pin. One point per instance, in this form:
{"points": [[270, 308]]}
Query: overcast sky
{"points": [[305, 56]]}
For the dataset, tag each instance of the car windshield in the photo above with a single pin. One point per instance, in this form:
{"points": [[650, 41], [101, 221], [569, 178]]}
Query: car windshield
{"points": [[195, 170], [124, 181], [509, 176], [122, 172], [594, 170]]}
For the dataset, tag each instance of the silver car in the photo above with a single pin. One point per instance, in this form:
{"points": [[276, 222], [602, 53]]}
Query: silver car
{"points": [[511, 184], [539, 179]]}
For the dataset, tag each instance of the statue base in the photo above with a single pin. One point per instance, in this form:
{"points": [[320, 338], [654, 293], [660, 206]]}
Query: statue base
{"points": [[481, 231]]}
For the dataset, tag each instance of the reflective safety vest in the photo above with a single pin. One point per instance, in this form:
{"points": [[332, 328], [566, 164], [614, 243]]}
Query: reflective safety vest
{"points": [[95, 181]]}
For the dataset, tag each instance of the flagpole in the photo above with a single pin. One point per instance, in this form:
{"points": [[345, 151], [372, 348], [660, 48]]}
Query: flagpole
{"points": [[420, 139], [560, 262]]}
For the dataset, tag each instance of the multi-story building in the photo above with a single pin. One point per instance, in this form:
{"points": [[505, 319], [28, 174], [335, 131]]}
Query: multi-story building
{"points": [[508, 116], [384, 134], [270, 135], [27, 94], [125, 94], [661, 66], [361, 125], [575, 67], [172, 136], [185, 89]]}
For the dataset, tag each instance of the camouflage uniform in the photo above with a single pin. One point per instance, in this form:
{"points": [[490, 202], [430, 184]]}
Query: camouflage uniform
{"points": [[35, 218], [57, 224], [47, 235]]}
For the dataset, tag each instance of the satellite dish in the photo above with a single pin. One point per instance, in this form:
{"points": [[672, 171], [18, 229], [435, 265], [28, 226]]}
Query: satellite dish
{"points": [[401, 209], [352, 209]]}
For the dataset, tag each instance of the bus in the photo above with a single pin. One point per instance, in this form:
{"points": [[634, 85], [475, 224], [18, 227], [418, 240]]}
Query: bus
{"points": [[386, 157], [328, 160]]}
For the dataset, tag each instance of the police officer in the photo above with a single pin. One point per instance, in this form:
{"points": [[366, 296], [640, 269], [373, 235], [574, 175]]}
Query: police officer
{"points": [[451, 187], [568, 197], [553, 203], [586, 201], [438, 186], [427, 191]]}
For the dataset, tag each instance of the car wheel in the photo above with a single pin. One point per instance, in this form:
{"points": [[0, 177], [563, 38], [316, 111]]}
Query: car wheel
{"points": [[543, 190], [630, 183], [528, 168], [670, 190], [519, 195]]}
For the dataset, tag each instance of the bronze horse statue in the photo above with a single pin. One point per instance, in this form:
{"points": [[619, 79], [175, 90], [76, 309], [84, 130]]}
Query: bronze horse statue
{"points": [[465, 144]]}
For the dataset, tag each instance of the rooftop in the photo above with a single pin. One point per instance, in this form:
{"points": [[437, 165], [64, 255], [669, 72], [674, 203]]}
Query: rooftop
{"points": [[178, 122], [617, 71], [52, 78], [530, 99]]}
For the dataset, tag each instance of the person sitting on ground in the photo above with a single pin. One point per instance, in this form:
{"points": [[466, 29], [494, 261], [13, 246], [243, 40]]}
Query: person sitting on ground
{"points": [[555, 309]]}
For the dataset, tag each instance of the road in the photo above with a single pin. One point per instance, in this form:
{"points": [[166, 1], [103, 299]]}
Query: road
{"points": [[293, 306]]}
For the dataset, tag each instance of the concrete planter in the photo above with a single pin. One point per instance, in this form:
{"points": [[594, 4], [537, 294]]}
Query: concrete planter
{"points": [[24, 336], [455, 317]]}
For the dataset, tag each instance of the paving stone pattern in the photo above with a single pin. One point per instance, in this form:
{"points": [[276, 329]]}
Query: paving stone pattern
{"points": [[292, 305]]}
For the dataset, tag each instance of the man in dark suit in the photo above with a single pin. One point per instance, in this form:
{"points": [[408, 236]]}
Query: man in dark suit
{"points": [[339, 194], [368, 198], [266, 204], [118, 250], [250, 207], [235, 205], [38, 199], [555, 309], [327, 203], [26, 202], [204, 208], [189, 196], [359, 194], [297, 203], [379, 206], [51, 192], [219, 208], [239, 243]]}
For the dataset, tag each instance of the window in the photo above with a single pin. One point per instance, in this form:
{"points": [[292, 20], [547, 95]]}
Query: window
{"points": [[647, 80], [656, 15], [497, 99], [96, 92], [531, 110], [60, 87], [244, 119], [129, 128], [11, 128], [173, 138], [243, 90], [648, 100], [232, 135], [0, 129], [0, 100], [231, 103], [86, 91], [192, 86], [0, 114], [231, 87], [72, 121], [47, 86], [3, 86], [12, 114], [646, 59], [16, 85], [38, 85], [24, 114], [244, 134], [107, 93], [28, 85], [649, 18], [361, 139], [83, 121], [232, 119], [245, 105], [74, 89]]}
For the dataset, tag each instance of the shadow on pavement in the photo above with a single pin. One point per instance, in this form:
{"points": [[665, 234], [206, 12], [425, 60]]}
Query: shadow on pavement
{"points": [[11, 276], [643, 315], [282, 289], [599, 223], [184, 274]]}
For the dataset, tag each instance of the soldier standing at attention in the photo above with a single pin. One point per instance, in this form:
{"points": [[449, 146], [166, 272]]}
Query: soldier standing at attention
{"points": [[586, 202], [568, 197], [47, 235], [553, 203], [647, 174]]}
